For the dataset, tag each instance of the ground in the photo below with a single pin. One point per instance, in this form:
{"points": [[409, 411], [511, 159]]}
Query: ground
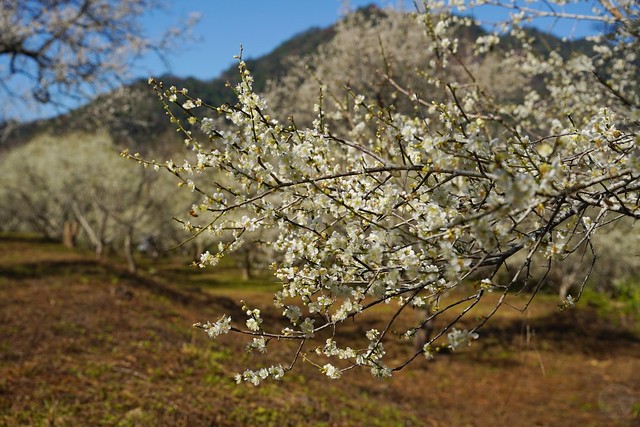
{"points": [[83, 342]]}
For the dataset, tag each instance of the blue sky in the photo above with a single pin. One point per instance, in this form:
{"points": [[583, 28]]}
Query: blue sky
{"points": [[259, 26]]}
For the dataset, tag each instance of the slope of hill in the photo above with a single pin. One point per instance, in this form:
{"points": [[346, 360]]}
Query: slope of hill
{"points": [[133, 114], [134, 118]]}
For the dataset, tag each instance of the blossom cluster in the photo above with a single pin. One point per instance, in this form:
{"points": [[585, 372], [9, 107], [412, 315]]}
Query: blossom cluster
{"points": [[408, 206]]}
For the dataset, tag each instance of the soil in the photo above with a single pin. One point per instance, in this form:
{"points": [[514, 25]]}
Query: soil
{"points": [[83, 342]]}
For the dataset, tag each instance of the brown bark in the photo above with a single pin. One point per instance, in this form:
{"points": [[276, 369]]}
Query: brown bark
{"points": [[69, 233], [131, 264], [246, 264], [423, 335]]}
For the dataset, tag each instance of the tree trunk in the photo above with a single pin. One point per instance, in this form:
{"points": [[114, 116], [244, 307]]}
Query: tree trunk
{"points": [[96, 240], [128, 251], [564, 288], [246, 264], [566, 283], [69, 233], [423, 336], [198, 249]]}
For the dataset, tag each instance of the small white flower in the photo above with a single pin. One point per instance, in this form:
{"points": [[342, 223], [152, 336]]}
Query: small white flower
{"points": [[259, 344], [487, 285], [372, 334], [222, 326], [331, 371], [307, 327], [568, 303], [457, 338], [207, 126], [428, 352], [293, 312], [380, 371], [253, 325]]}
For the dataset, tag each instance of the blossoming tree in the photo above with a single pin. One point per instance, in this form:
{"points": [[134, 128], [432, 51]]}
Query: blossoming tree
{"points": [[405, 206], [55, 49], [90, 195]]}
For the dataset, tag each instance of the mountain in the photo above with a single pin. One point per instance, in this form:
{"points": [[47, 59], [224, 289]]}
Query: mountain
{"points": [[134, 113], [135, 118]]}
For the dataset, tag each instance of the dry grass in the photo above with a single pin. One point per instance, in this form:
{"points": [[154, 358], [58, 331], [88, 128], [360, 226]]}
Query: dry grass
{"points": [[85, 343]]}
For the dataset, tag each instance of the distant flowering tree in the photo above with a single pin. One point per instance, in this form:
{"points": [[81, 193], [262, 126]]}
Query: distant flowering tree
{"points": [[90, 195], [404, 207]]}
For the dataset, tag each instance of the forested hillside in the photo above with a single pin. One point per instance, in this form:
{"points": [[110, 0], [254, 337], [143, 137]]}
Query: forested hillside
{"points": [[134, 118], [132, 114]]}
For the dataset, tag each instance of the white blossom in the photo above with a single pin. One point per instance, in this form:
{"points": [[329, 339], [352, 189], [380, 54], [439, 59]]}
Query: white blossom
{"points": [[331, 371], [221, 326], [458, 338], [407, 199]]}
